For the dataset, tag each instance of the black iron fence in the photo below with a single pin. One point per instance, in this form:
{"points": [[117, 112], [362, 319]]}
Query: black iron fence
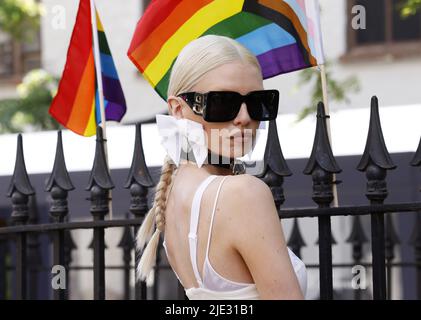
{"points": [[20, 262]]}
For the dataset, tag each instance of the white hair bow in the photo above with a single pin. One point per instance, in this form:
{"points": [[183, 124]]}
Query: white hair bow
{"points": [[182, 134]]}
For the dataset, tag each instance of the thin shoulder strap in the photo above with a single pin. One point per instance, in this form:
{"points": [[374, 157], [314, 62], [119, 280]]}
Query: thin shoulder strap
{"points": [[194, 221], [212, 216]]}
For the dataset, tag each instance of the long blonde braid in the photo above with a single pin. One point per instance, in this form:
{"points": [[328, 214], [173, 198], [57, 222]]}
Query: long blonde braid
{"points": [[155, 220]]}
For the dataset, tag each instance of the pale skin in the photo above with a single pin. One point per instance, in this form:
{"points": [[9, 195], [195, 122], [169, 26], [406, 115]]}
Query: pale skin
{"points": [[247, 243]]}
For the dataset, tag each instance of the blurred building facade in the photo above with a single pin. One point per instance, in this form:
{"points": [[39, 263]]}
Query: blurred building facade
{"points": [[385, 57]]}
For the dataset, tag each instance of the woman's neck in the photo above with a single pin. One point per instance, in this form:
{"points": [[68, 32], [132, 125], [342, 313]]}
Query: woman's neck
{"points": [[216, 164], [210, 168]]}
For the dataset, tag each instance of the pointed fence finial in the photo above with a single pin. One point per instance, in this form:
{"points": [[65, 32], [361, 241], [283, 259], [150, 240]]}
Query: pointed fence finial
{"points": [[99, 181], [376, 160], [357, 238], [321, 153], [139, 170], [20, 179], [416, 161], [59, 184], [100, 174], [127, 239], [275, 167], [375, 148], [273, 158], [296, 240], [20, 187], [60, 175], [322, 164]]}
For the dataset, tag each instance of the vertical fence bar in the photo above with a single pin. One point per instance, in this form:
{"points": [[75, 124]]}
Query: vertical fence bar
{"points": [[21, 267], [377, 240], [69, 246], [127, 244], [34, 253], [19, 190], [3, 266], [138, 182], [325, 258], [321, 166], [357, 238], [391, 240], [58, 184], [99, 258], [99, 185], [415, 241], [416, 233], [375, 162], [58, 260], [157, 272]]}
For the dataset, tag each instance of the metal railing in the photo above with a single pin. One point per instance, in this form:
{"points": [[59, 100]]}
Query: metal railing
{"points": [[23, 229]]}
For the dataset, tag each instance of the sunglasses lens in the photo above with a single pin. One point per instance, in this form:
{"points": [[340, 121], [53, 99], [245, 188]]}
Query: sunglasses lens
{"points": [[263, 105], [222, 106]]}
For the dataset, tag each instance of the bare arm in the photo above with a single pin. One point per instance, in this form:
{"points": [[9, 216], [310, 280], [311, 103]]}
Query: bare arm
{"points": [[258, 236]]}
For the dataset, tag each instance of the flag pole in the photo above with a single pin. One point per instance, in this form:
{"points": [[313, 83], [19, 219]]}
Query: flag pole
{"points": [[319, 49], [100, 90], [326, 109]]}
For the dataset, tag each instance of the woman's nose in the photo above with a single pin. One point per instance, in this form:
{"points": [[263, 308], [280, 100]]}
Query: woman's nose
{"points": [[243, 116]]}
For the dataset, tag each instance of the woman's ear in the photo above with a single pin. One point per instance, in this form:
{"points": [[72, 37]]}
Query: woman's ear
{"points": [[175, 107]]}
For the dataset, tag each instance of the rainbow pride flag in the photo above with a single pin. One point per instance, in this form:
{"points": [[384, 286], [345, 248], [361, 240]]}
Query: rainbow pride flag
{"points": [[284, 35], [76, 105]]}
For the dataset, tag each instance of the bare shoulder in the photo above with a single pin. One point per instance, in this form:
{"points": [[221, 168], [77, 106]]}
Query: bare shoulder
{"points": [[247, 200], [247, 191], [246, 184], [254, 230]]}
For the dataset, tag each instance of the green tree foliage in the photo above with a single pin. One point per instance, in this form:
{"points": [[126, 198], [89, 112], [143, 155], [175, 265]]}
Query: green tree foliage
{"points": [[410, 7], [20, 18], [30, 110], [338, 90]]}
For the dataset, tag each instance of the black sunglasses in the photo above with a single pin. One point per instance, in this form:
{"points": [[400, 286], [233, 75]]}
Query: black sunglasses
{"points": [[222, 106]]}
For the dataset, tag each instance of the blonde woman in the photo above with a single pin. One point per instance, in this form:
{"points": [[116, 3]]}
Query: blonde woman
{"points": [[223, 237]]}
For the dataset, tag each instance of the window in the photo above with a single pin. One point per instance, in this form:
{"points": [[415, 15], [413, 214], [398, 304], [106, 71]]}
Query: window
{"points": [[17, 58], [386, 32], [6, 58]]}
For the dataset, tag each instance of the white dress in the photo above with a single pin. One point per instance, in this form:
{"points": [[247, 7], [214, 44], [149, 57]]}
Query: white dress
{"points": [[213, 286]]}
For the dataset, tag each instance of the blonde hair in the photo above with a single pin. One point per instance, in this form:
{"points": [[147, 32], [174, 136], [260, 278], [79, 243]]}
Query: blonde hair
{"points": [[201, 56], [195, 60]]}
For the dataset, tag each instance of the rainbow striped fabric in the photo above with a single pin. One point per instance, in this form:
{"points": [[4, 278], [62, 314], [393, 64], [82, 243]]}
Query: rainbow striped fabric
{"points": [[284, 35], [76, 105]]}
